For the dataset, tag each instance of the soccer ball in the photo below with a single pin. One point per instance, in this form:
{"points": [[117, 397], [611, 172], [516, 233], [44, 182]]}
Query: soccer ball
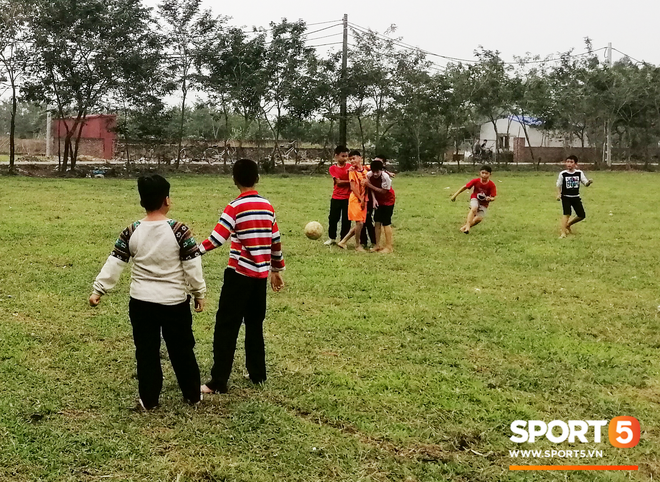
{"points": [[481, 196], [313, 230]]}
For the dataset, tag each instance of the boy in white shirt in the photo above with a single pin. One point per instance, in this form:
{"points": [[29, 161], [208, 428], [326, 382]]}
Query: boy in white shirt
{"points": [[568, 192], [166, 267]]}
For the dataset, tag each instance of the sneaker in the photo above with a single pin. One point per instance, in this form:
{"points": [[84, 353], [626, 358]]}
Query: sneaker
{"points": [[330, 242]]}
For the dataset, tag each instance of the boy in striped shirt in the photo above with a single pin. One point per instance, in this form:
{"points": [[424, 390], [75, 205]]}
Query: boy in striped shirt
{"points": [[255, 251]]}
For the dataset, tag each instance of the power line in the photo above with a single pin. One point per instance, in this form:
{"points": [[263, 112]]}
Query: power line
{"points": [[541, 61], [629, 56], [325, 36], [324, 45], [322, 23], [408, 46], [446, 57], [322, 29]]}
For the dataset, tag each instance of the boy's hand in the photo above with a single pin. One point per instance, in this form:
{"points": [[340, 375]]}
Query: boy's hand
{"points": [[94, 299], [490, 199], [276, 281], [199, 305], [590, 182], [453, 198], [558, 197]]}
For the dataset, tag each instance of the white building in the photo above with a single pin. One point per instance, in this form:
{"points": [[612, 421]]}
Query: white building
{"points": [[511, 127]]}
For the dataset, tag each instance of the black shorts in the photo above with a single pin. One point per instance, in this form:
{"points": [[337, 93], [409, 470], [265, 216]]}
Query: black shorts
{"points": [[573, 202], [383, 215]]}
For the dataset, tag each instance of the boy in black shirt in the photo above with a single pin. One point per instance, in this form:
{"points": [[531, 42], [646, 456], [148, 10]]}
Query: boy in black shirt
{"points": [[568, 192]]}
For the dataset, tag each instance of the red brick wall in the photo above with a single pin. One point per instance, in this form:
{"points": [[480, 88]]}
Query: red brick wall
{"points": [[37, 147]]}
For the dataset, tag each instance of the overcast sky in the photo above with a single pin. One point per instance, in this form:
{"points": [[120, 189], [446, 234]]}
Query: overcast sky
{"points": [[458, 27]]}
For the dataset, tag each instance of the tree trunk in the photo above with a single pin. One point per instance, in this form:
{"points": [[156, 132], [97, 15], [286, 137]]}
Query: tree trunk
{"points": [[359, 119], [184, 91], [12, 128], [74, 160], [497, 138], [531, 150]]}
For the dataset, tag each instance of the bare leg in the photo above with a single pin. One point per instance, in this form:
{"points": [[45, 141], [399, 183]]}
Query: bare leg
{"points": [[389, 246], [572, 222], [476, 220], [342, 243], [358, 230], [470, 218], [564, 226], [377, 227]]}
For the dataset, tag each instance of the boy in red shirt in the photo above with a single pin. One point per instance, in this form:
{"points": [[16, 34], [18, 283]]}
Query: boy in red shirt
{"points": [[483, 193], [340, 195], [255, 252]]}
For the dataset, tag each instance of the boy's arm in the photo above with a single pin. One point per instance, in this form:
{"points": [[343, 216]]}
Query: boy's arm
{"points": [[108, 278], [336, 180], [191, 261], [493, 193], [559, 183], [453, 198], [221, 232], [355, 188], [276, 259]]}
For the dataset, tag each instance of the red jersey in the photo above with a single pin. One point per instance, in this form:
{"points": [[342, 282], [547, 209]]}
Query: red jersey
{"points": [[256, 249], [383, 182], [487, 188], [341, 174]]}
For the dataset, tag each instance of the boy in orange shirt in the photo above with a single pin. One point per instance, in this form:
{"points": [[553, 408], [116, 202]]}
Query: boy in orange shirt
{"points": [[357, 202]]}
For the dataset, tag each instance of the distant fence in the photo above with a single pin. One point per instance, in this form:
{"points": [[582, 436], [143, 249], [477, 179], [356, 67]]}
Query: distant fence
{"points": [[198, 151], [543, 155], [37, 147]]}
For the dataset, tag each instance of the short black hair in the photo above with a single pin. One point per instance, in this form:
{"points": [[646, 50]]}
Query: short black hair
{"points": [[382, 158], [340, 149], [245, 172], [486, 167], [153, 189], [572, 158], [354, 152], [376, 165]]}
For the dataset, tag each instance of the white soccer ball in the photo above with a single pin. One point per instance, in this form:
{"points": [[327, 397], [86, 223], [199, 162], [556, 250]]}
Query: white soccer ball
{"points": [[313, 230]]}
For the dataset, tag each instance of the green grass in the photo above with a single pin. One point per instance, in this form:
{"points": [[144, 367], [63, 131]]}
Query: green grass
{"points": [[402, 367]]}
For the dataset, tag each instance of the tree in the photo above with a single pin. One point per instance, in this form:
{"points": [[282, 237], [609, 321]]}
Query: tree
{"points": [[371, 81], [86, 51], [188, 29], [232, 70], [530, 94], [287, 61], [491, 93], [14, 51]]}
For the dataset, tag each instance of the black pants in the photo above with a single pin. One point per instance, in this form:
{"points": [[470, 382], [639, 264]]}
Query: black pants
{"points": [[242, 299], [575, 203], [338, 209], [368, 228], [175, 323]]}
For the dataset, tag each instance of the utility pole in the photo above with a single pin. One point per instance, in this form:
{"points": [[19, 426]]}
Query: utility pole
{"points": [[608, 126], [343, 109]]}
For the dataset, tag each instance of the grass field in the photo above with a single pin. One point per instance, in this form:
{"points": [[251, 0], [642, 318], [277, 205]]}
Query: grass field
{"points": [[406, 367]]}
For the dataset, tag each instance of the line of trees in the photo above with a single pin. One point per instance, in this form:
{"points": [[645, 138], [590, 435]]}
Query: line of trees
{"points": [[116, 56]]}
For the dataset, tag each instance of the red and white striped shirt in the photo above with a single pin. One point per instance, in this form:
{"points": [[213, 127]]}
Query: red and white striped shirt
{"points": [[256, 249]]}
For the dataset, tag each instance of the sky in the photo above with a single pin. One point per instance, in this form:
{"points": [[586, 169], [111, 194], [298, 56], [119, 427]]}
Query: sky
{"points": [[456, 29]]}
